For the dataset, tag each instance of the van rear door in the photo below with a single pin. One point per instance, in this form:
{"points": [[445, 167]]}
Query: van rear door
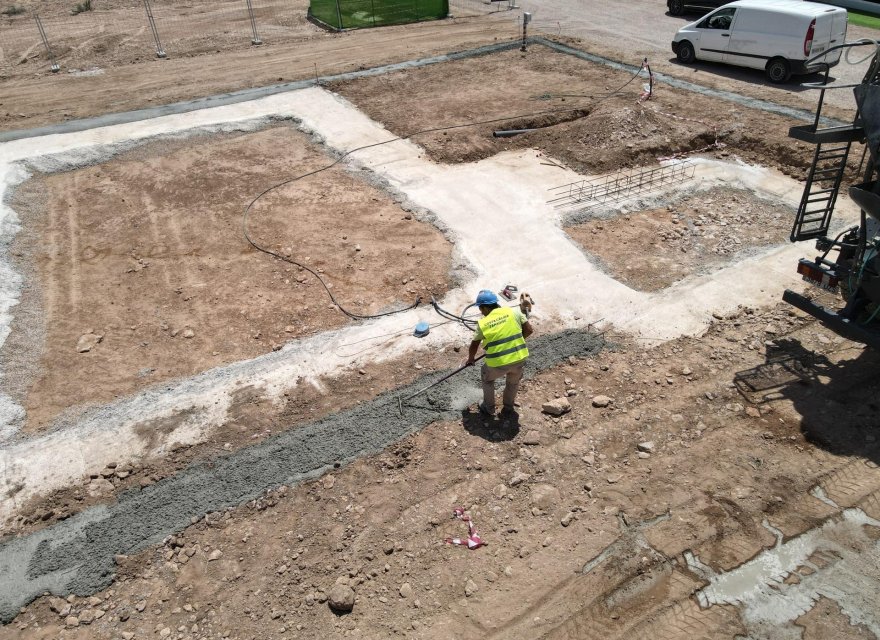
{"points": [[838, 34], [830, 30]]}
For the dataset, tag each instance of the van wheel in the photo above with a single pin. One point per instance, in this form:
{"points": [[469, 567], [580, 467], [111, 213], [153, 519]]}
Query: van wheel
{"points": [[686, 53], [676, 7], [778, 70]]}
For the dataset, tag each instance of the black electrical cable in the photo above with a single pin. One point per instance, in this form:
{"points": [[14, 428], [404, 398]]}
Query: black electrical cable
{"points": [[357, 316], [443, 313], [599, 97]]}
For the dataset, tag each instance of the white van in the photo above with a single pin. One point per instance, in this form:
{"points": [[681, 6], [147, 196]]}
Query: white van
{"points": [[775, 35]]}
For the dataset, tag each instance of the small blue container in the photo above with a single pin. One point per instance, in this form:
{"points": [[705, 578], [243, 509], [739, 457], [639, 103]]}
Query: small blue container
{"points": [[422, 329]]}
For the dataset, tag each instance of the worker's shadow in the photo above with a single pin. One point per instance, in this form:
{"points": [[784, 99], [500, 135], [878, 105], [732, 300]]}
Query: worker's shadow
{"points": [[499, 428]]}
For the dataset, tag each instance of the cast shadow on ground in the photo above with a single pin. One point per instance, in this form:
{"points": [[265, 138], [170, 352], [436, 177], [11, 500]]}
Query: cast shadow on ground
{"points": [[495, 429], [755, 76], [839, 402]]}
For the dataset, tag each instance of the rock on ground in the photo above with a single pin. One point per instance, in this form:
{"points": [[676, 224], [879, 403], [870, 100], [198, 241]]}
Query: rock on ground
{"points": [[556, 407], [341, 597]]}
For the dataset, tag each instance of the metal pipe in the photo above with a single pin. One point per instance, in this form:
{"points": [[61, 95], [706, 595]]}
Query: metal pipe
{"points": [[160, 52], [400, 400], [510, 133], [527, 18], [256, 38], [55, 68], [339, 16]]}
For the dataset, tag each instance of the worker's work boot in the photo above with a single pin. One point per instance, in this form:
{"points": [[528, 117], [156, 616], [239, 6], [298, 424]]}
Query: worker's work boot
{"points": [[485, 411]]}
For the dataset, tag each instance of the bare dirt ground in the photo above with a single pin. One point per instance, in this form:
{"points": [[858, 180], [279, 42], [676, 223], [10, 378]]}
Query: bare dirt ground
{"points": [[146, 252], [123, 265], [705, 445], [139, 80], [116, 32], [44, 98], [586, 115], [650, 250], [547, 499]]}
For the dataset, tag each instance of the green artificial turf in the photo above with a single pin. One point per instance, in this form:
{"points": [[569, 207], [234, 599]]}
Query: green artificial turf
{"points": [[356, 14]]}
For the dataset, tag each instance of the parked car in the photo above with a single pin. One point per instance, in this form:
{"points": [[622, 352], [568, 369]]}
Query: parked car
{"points": [[680, 7], [778, 36]]}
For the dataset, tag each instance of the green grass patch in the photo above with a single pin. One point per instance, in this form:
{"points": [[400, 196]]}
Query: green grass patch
{"points": [[864, 19], [356, 14]]}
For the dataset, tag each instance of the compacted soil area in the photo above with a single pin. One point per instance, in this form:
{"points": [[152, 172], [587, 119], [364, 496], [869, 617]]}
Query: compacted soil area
{"points": [[142, 260], [116, 32], [652, 249], [668, 465], [588, 116], [138, 269]]}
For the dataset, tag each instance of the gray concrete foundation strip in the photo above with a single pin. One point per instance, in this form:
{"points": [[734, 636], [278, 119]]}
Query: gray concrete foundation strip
{"points": [[77, 555], [246, 95], [729, 96]]}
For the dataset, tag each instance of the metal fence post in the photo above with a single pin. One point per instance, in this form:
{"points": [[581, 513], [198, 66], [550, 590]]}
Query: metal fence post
{"points": [[339, 15], [160, 52], [256, 38], [55, 68]]}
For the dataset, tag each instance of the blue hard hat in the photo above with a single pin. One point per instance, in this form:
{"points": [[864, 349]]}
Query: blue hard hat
{"points": [[486, 297]]}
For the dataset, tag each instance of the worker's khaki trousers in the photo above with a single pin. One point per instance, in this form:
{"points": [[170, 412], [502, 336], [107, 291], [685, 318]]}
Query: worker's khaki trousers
{"points": [[512, 373]]}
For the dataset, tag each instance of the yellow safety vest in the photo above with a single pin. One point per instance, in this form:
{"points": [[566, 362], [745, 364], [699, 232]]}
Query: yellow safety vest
{"points": [[502, 338]]}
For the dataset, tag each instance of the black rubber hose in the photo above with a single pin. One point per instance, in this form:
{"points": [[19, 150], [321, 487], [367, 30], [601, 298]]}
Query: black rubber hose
{"points": [[358, 316]]}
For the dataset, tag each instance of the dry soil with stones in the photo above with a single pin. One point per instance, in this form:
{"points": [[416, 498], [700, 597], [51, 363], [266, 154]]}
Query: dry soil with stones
{"points": [[547, 494], [588, 517]]}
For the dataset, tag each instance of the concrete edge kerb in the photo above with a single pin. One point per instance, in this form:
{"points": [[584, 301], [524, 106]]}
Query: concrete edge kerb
{"points": [[729, 96], [246, 95]]}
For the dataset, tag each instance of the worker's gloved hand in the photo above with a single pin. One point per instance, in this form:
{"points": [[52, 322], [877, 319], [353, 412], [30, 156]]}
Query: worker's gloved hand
{"points": [[525, 304]]}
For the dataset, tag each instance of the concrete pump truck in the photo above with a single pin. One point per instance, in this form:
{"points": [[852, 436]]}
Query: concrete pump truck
{"points": [[848, 262]]}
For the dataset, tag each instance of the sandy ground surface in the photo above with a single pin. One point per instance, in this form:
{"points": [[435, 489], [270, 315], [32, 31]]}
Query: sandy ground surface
{"points": [[146, 251], [629, 33], [549, 495], [586, 115], [116, 32], [715, 485]]}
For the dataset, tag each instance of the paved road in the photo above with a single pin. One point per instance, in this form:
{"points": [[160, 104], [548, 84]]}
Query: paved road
{"points": [[643, 28]]}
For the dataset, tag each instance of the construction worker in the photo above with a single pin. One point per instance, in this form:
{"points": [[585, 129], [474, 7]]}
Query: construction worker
{"points": [[502, 331]]}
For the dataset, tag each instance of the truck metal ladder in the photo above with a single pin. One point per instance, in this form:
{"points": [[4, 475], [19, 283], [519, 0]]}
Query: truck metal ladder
{"points": [[833, 145], [826, 172]]}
